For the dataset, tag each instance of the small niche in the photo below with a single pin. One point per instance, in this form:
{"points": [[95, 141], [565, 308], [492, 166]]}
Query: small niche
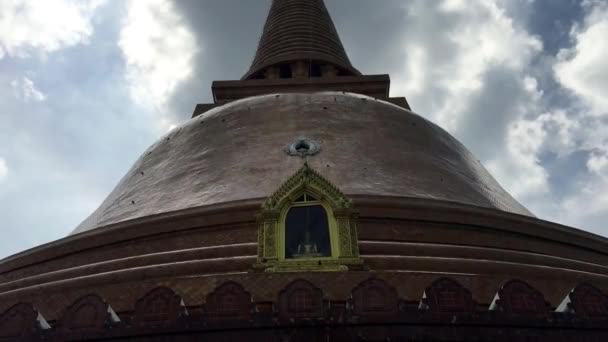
{"points": [[315, 70], [302, 146], [285, 71]]}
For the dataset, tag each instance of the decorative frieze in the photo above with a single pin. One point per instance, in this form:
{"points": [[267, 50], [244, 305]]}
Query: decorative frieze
{"points": [[447, 295], [159, 306], [373, 303], [518, 297]]}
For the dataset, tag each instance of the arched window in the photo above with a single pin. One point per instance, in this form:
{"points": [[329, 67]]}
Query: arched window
{"points": [[307, 224], [307, 229]]}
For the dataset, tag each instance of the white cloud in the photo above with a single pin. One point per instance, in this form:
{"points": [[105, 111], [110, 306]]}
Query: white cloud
{"points": [[449, 47], [25, 90], [598, 163], [159, 50], [466, 68], [519, 168], [586, 208], [565, 133], [583, 68], [3, 169], [44, 26]]}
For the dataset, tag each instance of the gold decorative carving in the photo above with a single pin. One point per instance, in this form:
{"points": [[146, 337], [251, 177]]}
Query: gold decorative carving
{"points": [[270, 234], [342, 226], [260, 243], [345, 237], [353, 236]]}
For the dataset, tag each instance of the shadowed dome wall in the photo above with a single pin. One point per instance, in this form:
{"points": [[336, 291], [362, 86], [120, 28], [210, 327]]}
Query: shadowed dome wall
{"points": [[237, 152]]}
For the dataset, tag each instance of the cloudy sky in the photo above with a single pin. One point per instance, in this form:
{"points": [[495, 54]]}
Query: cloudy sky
{"points": [[86, 86]]}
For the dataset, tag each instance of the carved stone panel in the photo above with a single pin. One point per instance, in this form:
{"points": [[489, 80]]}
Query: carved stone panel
{"points": [[270, 239], [447, 295], [159, 306], [374, 297], [587, 301], [301, 299], [21, 321], [517, 297], [345, 237], [89, 313], [229, 301]]}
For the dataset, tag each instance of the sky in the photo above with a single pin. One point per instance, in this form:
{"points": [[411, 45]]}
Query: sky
{"points": [[87, 85]]}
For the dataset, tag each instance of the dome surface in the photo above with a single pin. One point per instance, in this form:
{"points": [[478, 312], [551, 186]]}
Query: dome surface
{"points": [[240, 151]]}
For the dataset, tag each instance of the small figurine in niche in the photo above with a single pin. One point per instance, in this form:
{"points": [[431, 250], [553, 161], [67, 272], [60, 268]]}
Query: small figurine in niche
{"points": [[307, 248], [307, 232]]}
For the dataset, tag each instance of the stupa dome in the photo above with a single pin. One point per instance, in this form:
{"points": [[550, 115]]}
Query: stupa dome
{"points": [[307, 204], [238, 152]]}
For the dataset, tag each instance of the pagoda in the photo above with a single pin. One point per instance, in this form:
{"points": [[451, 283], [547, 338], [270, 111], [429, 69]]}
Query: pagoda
{"points": [[307, 204]]}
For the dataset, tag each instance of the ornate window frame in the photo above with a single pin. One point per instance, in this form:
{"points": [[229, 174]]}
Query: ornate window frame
{"points": [[342, 226], [331, 224]]}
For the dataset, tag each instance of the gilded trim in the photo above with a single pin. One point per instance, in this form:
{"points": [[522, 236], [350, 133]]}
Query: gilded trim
{"points": [[342, 226]]}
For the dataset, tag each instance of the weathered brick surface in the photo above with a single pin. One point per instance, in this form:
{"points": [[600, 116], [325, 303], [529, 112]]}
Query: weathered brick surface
{"points": [[224, 235], [466, 235], [404, 254]]}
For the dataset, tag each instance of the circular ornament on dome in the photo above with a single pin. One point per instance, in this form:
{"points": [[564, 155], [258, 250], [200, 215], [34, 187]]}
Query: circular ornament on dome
{"points": [[303, 147]]}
